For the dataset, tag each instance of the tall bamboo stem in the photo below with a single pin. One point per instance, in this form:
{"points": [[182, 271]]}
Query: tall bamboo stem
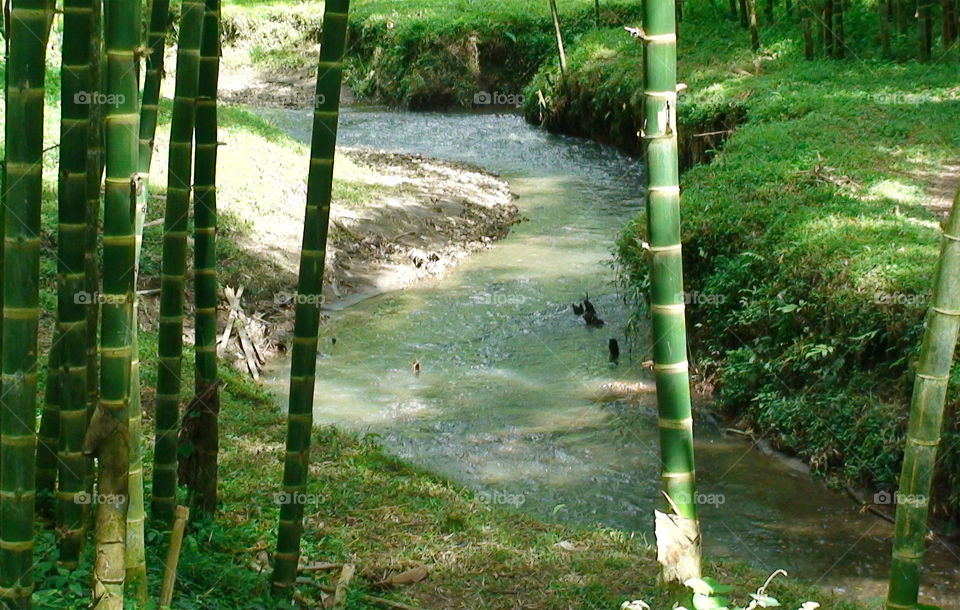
{"points": [[310, 287], [174, 265], [108, 437], [201, 426], [666, 268], [926, 420], [22, 190], [79, 23]]}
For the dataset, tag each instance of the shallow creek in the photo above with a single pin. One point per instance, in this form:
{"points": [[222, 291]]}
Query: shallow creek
{"points": [[506, 402]]}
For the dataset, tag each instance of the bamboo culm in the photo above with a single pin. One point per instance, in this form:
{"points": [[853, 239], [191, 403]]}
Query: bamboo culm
{"points": [[79, 31], [108, 436], [136, 568], [666, 269], [926, 420], [310, 285], [200, 429], [174, 263], [22, 190]]}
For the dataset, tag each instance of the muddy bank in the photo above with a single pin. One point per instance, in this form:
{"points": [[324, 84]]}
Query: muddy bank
{"points": [[426, 216]]}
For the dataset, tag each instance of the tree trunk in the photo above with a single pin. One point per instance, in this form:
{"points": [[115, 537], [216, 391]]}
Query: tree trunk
{"points": [[924, 30], [926, 420], [108, 437], [839, 43], [666, 277], [949, 22], [807, 39], [827, 21], [310, 292], [22, 193], [559, 33], [201, 480], [883, 12], [744, 18], [754, 35]]}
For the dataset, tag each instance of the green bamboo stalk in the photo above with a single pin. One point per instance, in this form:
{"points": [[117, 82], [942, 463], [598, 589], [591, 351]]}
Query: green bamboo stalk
{"points": [[175, 263], [926, 420], [95, 168], [666, 267], [108, 436], [198, 466], [310, 287], [79, 22], [48, 436], [558, 32], [136, 567], [22, 191]]}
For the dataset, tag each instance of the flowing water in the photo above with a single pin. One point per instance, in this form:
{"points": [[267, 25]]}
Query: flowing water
{"points": [[506, 400]]}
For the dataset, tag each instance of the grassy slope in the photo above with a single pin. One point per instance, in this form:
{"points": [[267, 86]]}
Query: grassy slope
{"points": [[435, 53], [809, 231]]}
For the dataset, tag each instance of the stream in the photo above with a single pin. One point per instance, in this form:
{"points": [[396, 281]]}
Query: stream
{"points": [[506, 400]]}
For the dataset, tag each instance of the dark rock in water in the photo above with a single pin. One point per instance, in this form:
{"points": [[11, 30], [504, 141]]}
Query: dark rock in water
{"points": [[592, 320], [588, 312], [614, 348]]}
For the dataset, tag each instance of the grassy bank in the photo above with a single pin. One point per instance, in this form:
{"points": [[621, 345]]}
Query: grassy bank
{"points": [[420, 55], [809, 241]]}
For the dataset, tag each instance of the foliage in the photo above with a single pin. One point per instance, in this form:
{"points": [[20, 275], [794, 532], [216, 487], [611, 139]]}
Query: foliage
{"points": [[809, 231]]}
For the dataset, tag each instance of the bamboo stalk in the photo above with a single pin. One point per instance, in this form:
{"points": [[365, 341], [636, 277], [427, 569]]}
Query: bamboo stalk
{"points": [[22, 190], [108, 435], [666, 269], [926, 420], [181, 515], [136, 568], [174, 264], [310, 285], [559, 34], [200, 426], [79, 24]]}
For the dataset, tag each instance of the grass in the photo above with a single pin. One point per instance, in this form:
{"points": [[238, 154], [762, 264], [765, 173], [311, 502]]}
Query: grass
{"points": [[810, 229]]}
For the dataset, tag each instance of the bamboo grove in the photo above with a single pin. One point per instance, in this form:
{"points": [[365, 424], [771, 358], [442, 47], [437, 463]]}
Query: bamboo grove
{"points": [[902, 29], [80, 467]]}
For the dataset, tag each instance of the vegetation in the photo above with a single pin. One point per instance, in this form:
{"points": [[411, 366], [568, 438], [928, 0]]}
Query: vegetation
{"points": [[812, 230], [808, 229]]}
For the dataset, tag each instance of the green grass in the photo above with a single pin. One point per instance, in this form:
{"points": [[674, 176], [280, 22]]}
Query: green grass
{"points": [[810, 228]]}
